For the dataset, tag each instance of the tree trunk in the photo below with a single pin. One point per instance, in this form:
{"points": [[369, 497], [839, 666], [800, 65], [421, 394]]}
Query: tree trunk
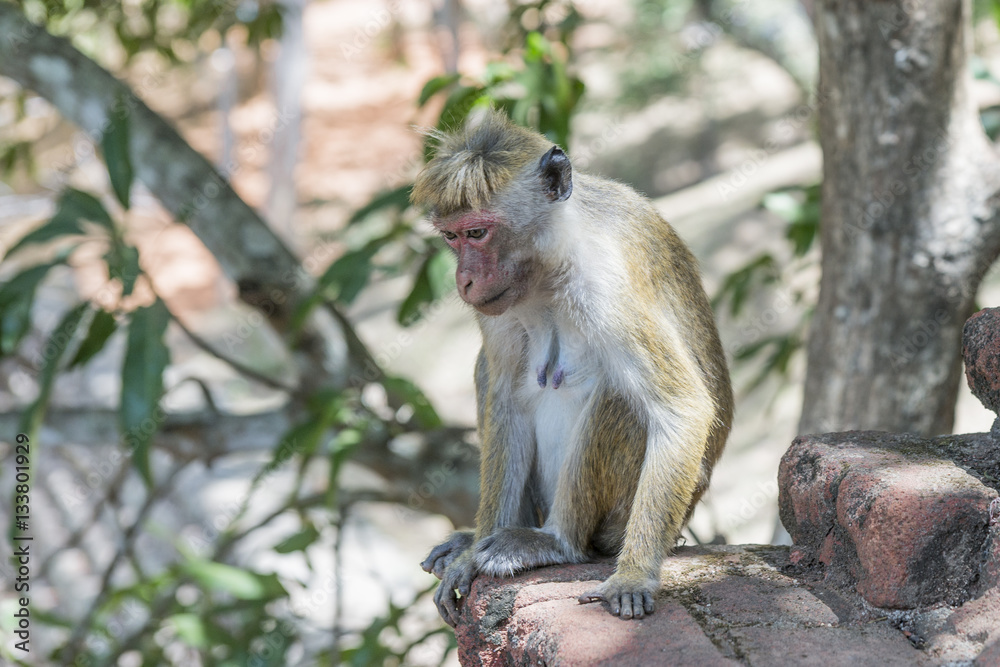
{"points": [[910, 215]]}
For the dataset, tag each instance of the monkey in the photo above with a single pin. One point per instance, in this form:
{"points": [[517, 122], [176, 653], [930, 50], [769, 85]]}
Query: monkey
{"points": [[602, 390]]}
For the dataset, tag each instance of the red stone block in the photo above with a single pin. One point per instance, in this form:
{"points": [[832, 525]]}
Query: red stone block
{"points": [[891, 513]]}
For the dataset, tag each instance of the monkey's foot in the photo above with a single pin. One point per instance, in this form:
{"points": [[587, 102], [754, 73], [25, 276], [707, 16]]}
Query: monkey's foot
{"points": [[628, 596], [445, 553], [512, 550]]}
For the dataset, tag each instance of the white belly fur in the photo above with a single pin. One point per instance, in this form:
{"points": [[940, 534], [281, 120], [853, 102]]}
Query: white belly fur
{"points": [[557, 423], [558, 356]]}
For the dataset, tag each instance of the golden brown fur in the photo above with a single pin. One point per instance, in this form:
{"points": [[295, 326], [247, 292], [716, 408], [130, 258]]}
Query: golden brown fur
{"points": [[603, 393]]}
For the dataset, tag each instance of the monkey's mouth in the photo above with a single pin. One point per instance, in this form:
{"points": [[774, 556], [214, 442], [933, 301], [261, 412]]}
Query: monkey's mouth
{"points": [[494, 299], [493, 305]]}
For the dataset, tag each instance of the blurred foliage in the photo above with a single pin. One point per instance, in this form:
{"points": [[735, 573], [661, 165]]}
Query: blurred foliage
{"points": [[768, 349], [556, 20], [171, 28], [671, 39], [203, 602], [206, 602]]}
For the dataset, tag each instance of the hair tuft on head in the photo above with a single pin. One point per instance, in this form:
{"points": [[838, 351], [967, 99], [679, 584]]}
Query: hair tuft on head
{"points": [[474, 163]]}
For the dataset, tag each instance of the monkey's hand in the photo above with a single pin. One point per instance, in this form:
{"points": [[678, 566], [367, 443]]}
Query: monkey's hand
{"points": [[445, 553], [627, 595], [456, 583]]}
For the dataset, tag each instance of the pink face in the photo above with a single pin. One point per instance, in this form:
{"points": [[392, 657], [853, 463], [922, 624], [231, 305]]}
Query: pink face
{"points": [[486, 278]]}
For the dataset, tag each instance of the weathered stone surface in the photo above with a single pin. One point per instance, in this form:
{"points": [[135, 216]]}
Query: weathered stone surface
{"points": [[719, 605], [892, 514], [990, 657], [535, 619], [783, 601], [824, 647], [978, 619], [981, 351]]}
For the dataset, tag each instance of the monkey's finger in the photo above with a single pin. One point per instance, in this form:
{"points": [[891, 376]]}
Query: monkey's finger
{"points": [[592, 596], [445, 601], [428, 565], [464, 585], [647, 603], [434, 557]]}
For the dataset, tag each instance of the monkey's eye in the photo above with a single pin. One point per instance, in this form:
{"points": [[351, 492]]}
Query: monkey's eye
{"points": [[451, 236], [475, 233]]}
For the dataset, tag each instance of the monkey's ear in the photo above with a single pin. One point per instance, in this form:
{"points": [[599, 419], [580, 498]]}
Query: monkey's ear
{"points": [[556, 174]]}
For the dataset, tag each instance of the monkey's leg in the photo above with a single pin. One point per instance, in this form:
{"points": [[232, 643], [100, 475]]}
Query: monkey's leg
{"points": [[591, 502], [667, 483]]}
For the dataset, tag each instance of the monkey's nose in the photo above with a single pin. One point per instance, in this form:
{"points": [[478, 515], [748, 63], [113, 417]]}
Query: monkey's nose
{"points": [[464, 282]]}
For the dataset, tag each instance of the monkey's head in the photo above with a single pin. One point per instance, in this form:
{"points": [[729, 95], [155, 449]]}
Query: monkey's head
{"points": [[492, 189]]}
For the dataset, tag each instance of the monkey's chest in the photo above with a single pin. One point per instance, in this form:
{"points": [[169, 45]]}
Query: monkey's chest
{"points": [[556, 391]]}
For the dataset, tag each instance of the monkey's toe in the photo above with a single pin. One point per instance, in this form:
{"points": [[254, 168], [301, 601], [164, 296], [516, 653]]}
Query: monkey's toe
{"points": [[626, 604]]}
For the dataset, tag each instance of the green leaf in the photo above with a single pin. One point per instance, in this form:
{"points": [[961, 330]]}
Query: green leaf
{"points": [[411, 310], [83, 206], [344, 444], [347, 276], [456, 108], [405, 391], [59, 342], [783, 349], [738, 285], [434, 279], [801, 208], [190, 629], [436, 85], [128, 271], [441, 273], [146, 357], [801, 234], [101, 327], [298, 542], [300, 438], [63, 223], [16, 297], [114, 144], [398, 198], [241, 584]]}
